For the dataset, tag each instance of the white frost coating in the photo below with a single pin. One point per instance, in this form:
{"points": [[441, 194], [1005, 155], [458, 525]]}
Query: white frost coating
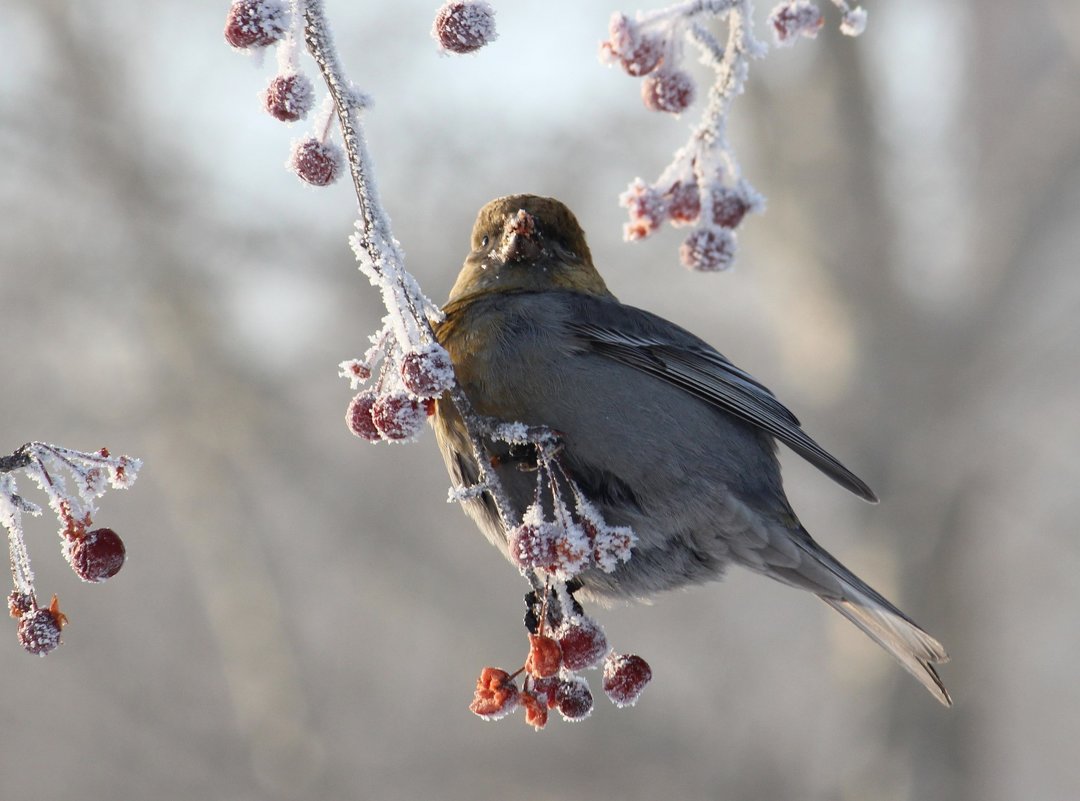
{"points": [[11, 519], [854, 21]]}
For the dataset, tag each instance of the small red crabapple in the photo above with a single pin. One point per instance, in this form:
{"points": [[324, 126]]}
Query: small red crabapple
{"points": [[536, 711], [574, 699], [708, 249], [583, 643], [684, 202], [427, 373], [496, 695], [729, 206], [668, 90], [397, 415], [99, 555], [358, 417], [625, 677], [532, 547], [544, 658], [39, 629], [546, 690], [647, 209], [795, 18], [255, 23], [317, 163], [464, 26], [289, 97]]}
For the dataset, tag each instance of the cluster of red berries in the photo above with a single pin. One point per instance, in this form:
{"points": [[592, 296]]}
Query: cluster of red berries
{"points": [[795, 18], [647, 55], [254, 24], [711, 246], [464, 26], [94, 555], [398, 414], [550, 680]]}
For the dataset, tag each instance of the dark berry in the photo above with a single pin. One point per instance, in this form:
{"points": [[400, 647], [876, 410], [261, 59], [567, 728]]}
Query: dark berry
{"points": [[358, 417], [668, 90], [427, 373], [98, 555], [19, 603], [625, 677], [462, 27], [583, 643], [39, 631], [289, 97], [255, 23], [398, 416], [708, 249], [317, 163], [574, 699]]}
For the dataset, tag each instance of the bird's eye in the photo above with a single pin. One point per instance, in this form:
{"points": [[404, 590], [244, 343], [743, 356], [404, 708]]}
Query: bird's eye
{"points": [[484, 241]]}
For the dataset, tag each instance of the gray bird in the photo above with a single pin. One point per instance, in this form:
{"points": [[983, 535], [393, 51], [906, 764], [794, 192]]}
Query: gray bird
{"points": [[658, 429]]}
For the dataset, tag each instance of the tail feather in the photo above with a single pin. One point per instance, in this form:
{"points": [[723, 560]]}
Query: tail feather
{"points": [[912, 647]]}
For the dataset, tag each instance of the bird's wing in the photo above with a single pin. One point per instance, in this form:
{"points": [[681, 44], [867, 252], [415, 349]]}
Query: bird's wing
{"points": [[660, 348]]}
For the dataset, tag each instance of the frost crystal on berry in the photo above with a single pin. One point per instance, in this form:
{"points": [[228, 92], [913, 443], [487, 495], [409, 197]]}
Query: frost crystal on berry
{"points": [[97, 556], [793, 19], [625, 677], [255, 23], [583, 643], [683, 202], [708, 249], [464, 26], [854, 21], [19, 603], [532, 545], [289, 97], [317, 163], [358, 417], [427, 373], [574, 698], [39, 630], [668, 90], [398, 416], [637, 53], [647, 208]]}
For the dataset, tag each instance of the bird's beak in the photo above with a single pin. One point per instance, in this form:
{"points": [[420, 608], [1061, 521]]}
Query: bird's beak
{"points": [[520, 239]]}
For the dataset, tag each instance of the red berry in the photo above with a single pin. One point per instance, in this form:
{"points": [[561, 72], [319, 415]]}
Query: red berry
{"points": [[795, 18], [546, 689], [729, 206], [289, 97], [574, 699], [463, 27], [255, 23], [533, 546], [646, 56], [398, 416], [98, 555], [19, 603], [427, 373], [39, 630], [708, 249], [583, 643], [496, 695], [358, 417], [647, 209], [317, 163], [536, 711], [544, 658], [668, 90], [625, 677], [684, 202]]}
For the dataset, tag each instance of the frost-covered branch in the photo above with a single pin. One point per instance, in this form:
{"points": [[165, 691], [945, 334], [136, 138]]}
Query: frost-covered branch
{"points": [[94, 554], [703, 186]]}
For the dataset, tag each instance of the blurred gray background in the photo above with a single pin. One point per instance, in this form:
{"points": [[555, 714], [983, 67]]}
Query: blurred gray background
{"points": [[302, 615]]}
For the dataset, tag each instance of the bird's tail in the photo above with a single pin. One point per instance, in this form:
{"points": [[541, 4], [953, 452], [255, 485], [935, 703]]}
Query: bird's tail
{"points": [[912, 647], [864, 606]]}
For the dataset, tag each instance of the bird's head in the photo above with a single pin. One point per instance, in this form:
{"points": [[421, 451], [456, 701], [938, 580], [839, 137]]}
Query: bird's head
{"points": [[525, 242]]}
